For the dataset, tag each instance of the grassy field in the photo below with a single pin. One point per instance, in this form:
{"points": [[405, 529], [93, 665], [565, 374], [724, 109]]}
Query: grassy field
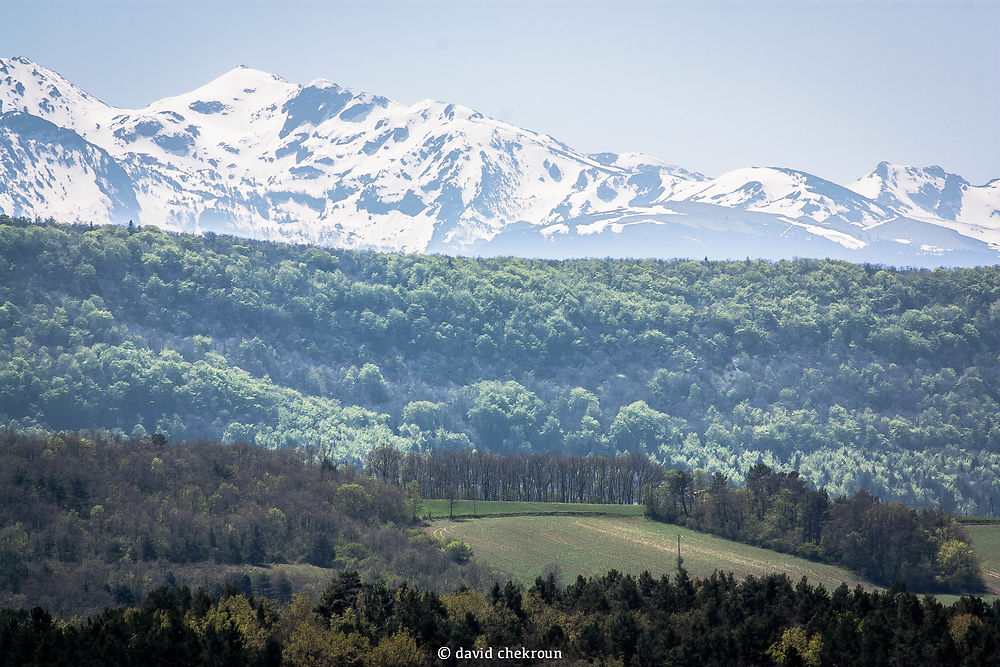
{"points": [[522, 546], [438, 508], [522, 539], [986, 544]]}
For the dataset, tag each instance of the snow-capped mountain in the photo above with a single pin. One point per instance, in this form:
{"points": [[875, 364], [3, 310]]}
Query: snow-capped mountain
{"points": [[932, 194], [254, 155]]}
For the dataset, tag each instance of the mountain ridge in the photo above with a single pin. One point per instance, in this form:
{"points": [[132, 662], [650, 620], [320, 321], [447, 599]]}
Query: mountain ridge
{"points": [[251, 154]]}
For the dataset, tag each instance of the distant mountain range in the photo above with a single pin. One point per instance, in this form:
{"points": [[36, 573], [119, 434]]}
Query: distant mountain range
{"points": [[253, 155]]}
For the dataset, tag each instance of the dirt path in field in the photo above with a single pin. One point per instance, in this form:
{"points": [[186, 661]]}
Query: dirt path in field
{"points": [[442, 533], [693, 547], [992, 581], [689, 545], [622, 534]]}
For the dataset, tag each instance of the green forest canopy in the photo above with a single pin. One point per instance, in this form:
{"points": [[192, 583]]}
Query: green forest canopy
{"points": [[613, 619], [857, 376]]}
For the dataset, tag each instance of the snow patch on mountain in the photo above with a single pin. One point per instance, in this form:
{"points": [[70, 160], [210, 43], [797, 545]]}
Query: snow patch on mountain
{"points": [[841, 238]]}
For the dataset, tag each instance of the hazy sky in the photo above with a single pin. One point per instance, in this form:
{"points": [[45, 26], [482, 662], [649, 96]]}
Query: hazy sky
{"points": [[830, 88]]}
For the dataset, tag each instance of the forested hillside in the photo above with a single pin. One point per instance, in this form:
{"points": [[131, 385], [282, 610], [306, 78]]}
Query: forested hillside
{"points": [[88, 522], [856, 376]]}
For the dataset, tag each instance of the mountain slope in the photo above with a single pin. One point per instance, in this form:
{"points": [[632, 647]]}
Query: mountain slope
{"points": [[251, 154], [53, 171]]}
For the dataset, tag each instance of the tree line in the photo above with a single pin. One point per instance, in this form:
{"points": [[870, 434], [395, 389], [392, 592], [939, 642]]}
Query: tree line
{"points": [[542, 477], [884, 542], [609, 619]]}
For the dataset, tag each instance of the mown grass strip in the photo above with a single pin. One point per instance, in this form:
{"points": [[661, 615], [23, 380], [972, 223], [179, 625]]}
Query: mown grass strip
{"points": [[438, 508], [979, 520]]}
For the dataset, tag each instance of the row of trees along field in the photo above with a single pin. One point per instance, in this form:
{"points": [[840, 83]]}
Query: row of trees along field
{"points": [[87, 521], [884, 542], [857, 376], [613, 619]]}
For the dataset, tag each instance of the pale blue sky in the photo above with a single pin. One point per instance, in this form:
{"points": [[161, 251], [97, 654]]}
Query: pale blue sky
{"points": [[830, 88]]}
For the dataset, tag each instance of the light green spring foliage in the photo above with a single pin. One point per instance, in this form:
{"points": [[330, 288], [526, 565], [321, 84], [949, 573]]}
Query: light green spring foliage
{"points": [[857, 376], [795, 642]]}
